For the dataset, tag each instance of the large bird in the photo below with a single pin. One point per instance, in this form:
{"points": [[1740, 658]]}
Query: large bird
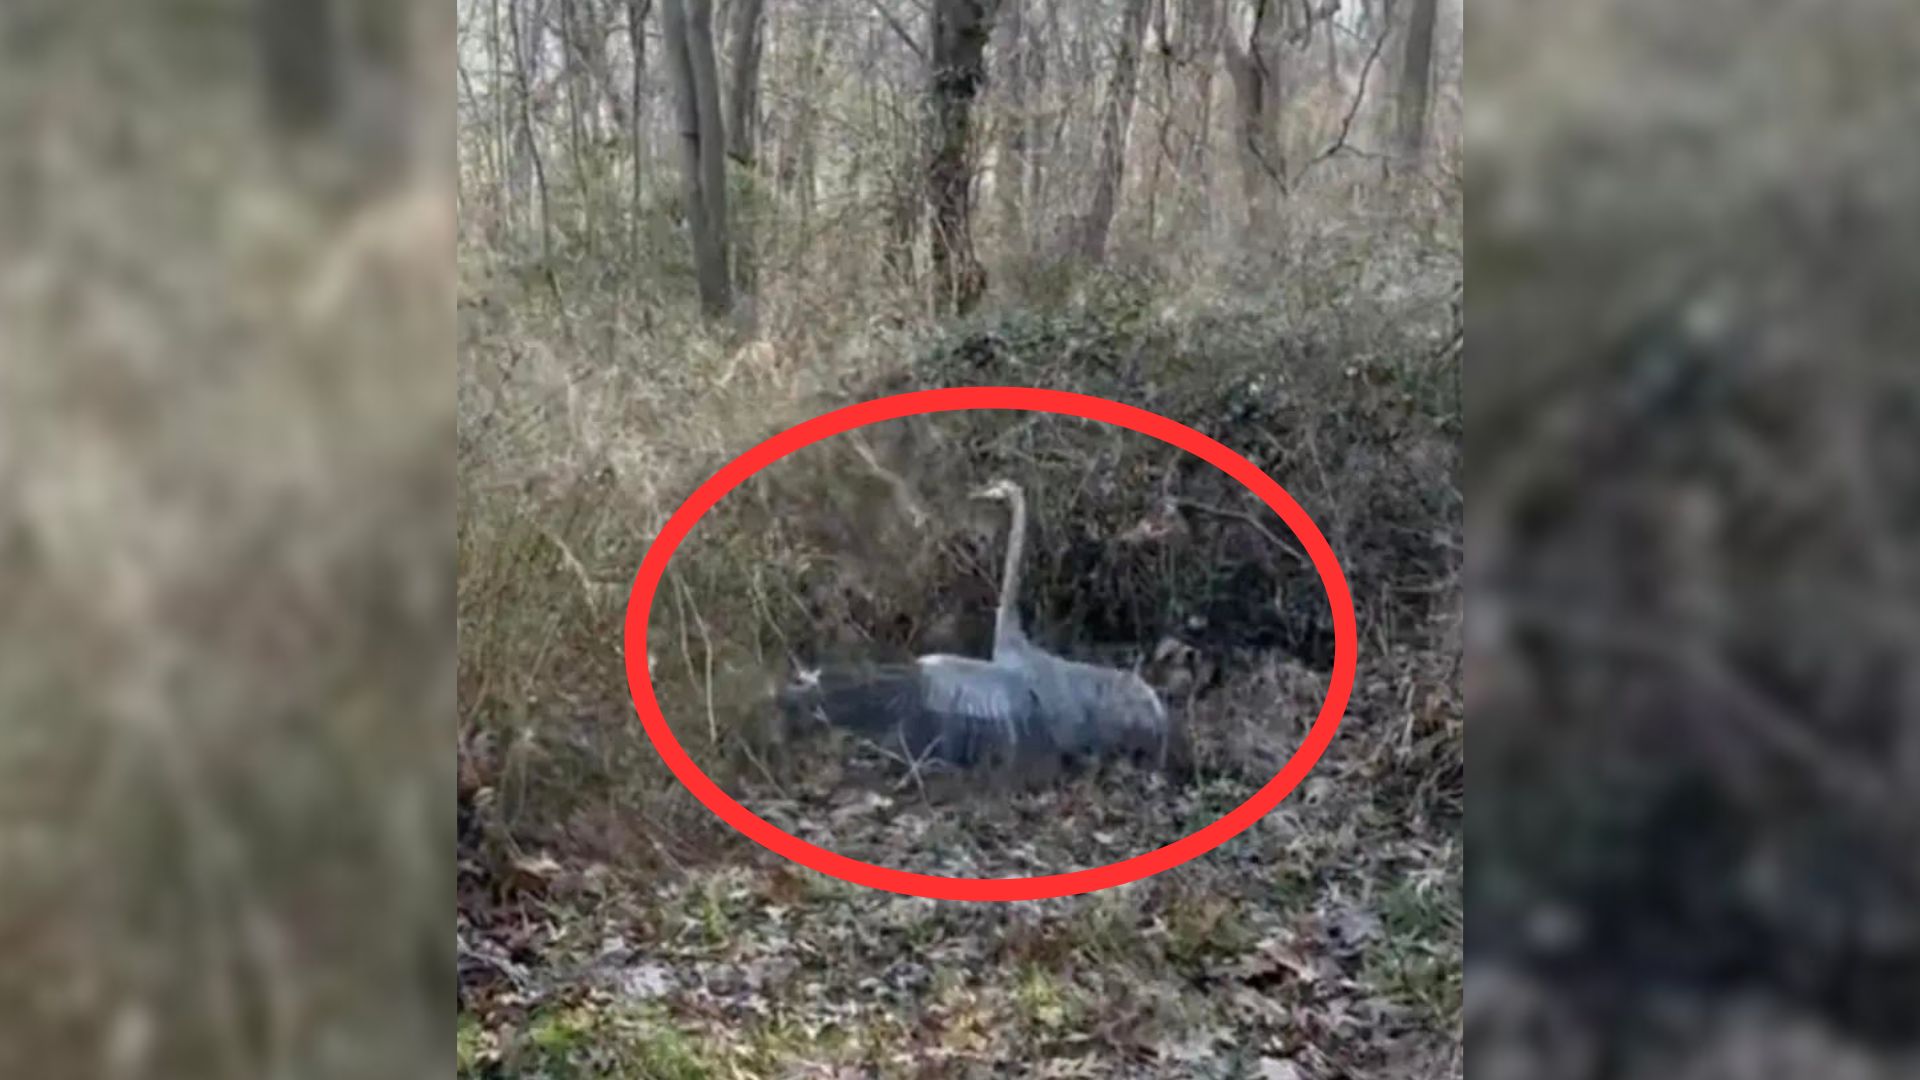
{"points": [[1024, 708]]}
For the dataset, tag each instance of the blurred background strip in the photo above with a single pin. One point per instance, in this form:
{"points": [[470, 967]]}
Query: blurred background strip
{"points": [[226, 494], [1694, 829]]}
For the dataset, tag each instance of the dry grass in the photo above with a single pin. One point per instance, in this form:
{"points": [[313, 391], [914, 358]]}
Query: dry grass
{"points": [[223, 581], [1694, 519]]}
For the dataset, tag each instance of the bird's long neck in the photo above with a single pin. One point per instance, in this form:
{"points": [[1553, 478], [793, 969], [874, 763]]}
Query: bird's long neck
{"points": [[1006, 625]]}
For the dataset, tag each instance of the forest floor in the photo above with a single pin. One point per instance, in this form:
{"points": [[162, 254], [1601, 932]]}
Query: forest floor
{"points": [[1324, 941]]}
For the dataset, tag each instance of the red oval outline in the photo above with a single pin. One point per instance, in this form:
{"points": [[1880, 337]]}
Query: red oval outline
{"points": [[958, 399]]}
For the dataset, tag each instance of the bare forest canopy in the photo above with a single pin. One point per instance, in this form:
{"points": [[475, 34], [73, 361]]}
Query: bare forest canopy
{"points": [[931, 150]]}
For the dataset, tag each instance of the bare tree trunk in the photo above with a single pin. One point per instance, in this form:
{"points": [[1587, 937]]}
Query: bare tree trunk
{"points": [[1255, 68], [581, 99], [713, 132], [586, 32], [511, 180], [906, 204], [743, 122], [958, 52], [1078, 128], [1163, 42], [1333, 51], [1010, 174], [901, 165], [795, 172], [637, 11], [1205, 22], [593, 46], [1416, 71], [527, 138], [687, 29], [1113, 133], [1038, 149]]}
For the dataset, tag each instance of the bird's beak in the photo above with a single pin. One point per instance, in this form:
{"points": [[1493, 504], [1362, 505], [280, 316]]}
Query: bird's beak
{"points": [[980, 493]]}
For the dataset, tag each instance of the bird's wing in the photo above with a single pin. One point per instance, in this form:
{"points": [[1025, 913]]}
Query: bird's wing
{"points": [[1099, 706], [950, 707], [975, 703]]}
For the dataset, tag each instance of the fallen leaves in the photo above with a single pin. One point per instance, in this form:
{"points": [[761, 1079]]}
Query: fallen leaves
{"points": [[1277, 956]]}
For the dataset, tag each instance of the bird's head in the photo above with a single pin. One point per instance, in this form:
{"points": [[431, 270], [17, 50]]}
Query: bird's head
{"points": [[1002, 489]]}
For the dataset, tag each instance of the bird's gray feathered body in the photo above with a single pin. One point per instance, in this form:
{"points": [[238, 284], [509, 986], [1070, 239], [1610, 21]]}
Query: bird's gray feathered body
{"points": [[1024, 707], [1036, 711], [943, 708]]}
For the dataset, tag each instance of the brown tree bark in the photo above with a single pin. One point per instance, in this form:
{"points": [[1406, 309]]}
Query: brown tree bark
{"points": [[1204, 24], [713, 141], [585, 28], [1039, 144], [526, 144], [797, 167], [687, 30], [1010, 172], [636, 37], [1163, 148], [902, 157], [582, 97], [1416, 72], [743, 105], [1098, 223], [957, 56], [637, 11], [1255, 68]]}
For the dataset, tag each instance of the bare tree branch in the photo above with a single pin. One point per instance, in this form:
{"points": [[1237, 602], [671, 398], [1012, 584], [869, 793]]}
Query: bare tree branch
{"points": [[901, 31], [1340, 143]]}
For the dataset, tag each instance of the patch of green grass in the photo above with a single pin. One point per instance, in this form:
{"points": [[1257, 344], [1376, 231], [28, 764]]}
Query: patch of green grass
{"points": [[474, 1047], [716, 905], [1294, 888], [715, 923], [586, 1040], [1416, 959], [558, 1032], [1046, 1002], [1108, 931], [1424, 914], [1206, 926], [669, 1055], [772, 1047]]}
